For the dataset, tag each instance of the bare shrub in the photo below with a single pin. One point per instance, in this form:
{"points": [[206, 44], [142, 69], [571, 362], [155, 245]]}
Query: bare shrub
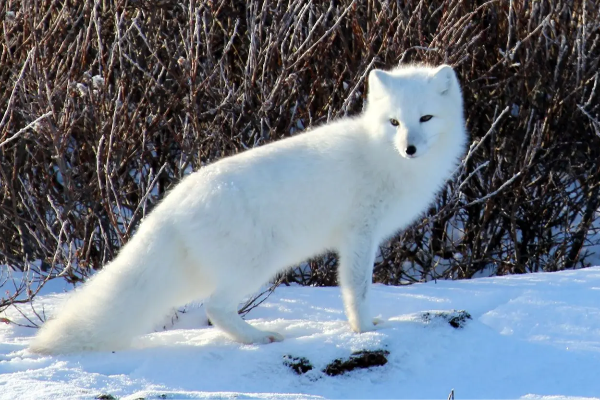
{"points": [[108, 104]]}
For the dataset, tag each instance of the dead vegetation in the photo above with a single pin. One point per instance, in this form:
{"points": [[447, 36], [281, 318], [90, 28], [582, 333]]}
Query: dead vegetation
{"points": [[105, 105]]}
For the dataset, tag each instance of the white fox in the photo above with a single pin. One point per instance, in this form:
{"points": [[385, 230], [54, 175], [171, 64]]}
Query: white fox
{"points": [[228, 228]]}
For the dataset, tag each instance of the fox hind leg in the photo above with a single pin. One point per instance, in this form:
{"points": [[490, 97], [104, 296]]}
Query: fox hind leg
{"points": [[221, 308]]}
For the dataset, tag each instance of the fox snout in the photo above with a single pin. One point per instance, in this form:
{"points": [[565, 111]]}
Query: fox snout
{"points": [[410, 145]]}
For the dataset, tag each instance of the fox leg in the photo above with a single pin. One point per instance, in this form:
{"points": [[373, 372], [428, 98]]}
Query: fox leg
{"points": [[221, 308], [355, 272]]}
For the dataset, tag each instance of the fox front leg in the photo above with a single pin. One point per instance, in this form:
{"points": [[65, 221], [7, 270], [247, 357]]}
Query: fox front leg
{"points": [[357, 256]]}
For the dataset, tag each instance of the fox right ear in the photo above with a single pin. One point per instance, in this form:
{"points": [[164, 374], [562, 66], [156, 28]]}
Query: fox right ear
{"points": [[379, 82]]}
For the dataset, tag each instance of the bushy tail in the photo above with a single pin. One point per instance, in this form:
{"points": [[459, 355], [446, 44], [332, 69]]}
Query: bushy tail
{"points": [[123, 300]]}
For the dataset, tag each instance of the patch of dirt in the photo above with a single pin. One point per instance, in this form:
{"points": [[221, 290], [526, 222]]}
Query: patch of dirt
{"points": [[456, 318], [299, 365], [360, 359]]}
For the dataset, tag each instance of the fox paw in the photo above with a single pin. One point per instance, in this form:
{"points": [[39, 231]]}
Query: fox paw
{"points": [[377, 323], [271, 337], [264, 337]]}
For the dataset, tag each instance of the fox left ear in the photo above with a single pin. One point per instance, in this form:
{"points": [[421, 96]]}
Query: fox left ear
{"points": [[443, 78]]}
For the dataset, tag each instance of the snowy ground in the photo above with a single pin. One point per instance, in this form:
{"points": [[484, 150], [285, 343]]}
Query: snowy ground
{"points": [[535, 337]]}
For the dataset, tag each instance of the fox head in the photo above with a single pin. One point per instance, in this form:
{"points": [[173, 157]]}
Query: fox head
{"points": [[416, 108]]}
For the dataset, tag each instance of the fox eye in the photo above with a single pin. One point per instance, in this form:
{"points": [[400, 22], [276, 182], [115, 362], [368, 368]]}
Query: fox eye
{"points": [[394, 122], [426, 118]]}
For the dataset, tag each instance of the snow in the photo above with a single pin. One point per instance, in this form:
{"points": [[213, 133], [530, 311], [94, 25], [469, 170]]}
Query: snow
{"points": [[534, 336]]}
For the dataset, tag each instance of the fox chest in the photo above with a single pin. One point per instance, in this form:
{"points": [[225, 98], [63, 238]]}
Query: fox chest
{"points": [[406, 204]]}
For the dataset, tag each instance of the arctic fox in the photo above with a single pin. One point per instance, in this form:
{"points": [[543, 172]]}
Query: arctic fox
{"points": [[228, 228]]}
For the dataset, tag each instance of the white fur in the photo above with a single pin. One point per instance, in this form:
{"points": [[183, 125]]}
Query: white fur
{"points": [[229, 227]]}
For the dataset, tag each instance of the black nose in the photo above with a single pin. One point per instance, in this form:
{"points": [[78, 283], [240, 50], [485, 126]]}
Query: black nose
{"points": [[410, 150]]}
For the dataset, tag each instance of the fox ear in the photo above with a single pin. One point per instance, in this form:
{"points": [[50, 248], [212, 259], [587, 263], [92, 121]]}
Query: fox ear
{"points": [[379, 83], [443, 78]]}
